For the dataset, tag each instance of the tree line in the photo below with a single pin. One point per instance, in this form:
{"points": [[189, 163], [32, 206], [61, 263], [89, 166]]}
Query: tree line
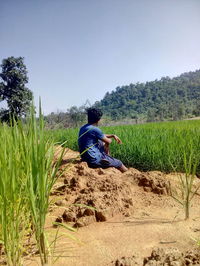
{"points": [[165, 99], [160, 100]]}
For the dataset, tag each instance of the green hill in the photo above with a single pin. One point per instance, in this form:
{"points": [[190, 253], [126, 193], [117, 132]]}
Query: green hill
{"points": [[164, 99]]}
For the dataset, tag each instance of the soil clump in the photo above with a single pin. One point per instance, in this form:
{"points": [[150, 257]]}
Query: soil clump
{"points": [[162, 257]]}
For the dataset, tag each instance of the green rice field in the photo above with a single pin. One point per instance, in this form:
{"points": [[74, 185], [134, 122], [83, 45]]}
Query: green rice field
{"points": [[153, 146], [27, 173]]}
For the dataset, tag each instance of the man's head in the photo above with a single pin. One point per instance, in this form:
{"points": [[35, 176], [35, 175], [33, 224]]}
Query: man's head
{"points": [[94, 115]]}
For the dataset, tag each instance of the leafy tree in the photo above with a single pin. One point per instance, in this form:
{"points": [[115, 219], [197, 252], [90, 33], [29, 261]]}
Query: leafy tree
{"points": [[13, 90]]}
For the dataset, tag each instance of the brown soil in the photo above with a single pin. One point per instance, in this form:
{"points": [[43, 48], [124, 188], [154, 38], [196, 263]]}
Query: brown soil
{"points": [[131, 218]]}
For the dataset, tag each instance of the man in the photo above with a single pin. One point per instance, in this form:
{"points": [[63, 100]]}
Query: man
{"points": [[94, 145]]}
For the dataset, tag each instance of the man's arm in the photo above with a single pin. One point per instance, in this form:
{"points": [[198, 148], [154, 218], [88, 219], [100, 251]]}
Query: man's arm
{"points": [[106, 139], [116, 138]]}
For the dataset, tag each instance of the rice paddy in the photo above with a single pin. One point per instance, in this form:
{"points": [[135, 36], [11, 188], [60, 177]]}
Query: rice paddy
{"points": [[27, 173], [153, 146]]}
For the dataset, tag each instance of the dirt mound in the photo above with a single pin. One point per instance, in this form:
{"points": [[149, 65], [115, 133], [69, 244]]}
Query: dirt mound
{"points": [[162, 257], [153, 182], [172, 257], [107, 192], [92, 195]]}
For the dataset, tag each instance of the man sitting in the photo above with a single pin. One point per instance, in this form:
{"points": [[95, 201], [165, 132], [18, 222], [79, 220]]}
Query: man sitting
{"points": [[94, 145]]}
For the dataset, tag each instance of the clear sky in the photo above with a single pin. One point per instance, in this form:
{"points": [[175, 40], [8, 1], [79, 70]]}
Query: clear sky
{"points": [[79, 49]]}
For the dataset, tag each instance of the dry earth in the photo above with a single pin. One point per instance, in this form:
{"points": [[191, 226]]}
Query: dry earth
{"points": [[133, 219]]}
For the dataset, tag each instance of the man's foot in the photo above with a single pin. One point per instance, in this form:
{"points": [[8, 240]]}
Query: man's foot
{"points": [[123, 168]]}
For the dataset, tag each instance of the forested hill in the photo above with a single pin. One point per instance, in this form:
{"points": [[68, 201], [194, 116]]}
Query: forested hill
{"points": [[164, 99]]}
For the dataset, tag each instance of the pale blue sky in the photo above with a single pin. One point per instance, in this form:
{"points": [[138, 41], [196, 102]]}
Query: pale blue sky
{"points": [[79, 49]]}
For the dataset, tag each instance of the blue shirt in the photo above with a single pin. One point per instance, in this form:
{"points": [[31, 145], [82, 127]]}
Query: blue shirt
{"points": [[89, 137]]}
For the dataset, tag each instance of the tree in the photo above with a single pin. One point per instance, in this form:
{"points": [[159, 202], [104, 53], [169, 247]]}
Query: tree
{"points": [[13, 90], [77, 115]]}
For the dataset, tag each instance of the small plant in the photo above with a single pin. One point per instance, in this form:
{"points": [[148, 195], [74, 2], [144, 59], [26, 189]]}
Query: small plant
{"points": [[187, 190]]}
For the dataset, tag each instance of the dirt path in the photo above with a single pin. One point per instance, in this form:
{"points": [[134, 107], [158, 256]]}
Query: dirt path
{"points": [[104, 243], [133, 213]]}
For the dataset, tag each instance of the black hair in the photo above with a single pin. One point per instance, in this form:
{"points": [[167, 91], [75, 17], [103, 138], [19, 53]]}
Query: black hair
{"points": [[94, 115]]}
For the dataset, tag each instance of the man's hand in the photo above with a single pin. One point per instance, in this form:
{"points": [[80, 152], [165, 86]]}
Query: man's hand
{"points": [[117, 139]]}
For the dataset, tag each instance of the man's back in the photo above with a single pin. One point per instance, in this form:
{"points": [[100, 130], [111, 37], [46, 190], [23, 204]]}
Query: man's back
{"points": [[89, 137]]}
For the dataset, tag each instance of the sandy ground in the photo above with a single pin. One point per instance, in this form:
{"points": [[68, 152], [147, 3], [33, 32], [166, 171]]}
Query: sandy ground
{"points": [[132, 215]]}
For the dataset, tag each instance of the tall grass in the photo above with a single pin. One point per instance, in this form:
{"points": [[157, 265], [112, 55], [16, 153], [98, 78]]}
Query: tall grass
{"points": [[40, 180], [152, 146], [27, 174], [14, 218], [157, 146], [67, 136]]}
